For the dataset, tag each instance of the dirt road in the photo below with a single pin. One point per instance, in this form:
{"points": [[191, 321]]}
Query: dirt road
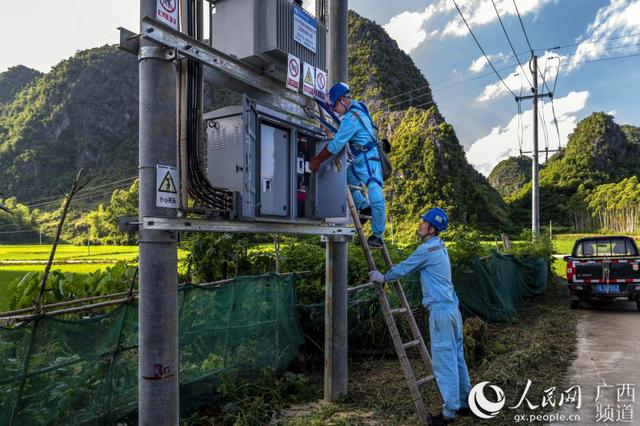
{"points": [[608, 363]]}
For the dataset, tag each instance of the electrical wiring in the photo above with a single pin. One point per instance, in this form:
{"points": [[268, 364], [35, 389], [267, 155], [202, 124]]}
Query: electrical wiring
{"points": [[482, 50]]}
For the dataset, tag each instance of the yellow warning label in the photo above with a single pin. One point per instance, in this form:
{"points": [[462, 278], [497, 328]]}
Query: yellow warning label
{"points": [[167, 185], [308, 78]]}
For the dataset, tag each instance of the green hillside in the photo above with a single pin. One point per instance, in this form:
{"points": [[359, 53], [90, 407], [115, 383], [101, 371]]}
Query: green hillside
{"points": [[84, 113], [510, 175], [14, 80], [598, 152]]}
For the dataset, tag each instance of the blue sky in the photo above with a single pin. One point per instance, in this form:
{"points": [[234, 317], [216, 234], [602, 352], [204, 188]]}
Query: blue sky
{"points": [[482, 112], [432, 33]]}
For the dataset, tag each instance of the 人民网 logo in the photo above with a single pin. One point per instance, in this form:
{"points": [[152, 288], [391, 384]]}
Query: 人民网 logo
{"points": [[481, 406]]}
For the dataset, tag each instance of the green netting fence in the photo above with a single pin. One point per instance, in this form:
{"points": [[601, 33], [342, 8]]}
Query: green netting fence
{"points": [[57, 371], [60, 371]]}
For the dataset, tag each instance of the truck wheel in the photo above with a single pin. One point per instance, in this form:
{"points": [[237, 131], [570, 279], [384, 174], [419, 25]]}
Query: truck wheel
{"points": [[575, 304], [638, 305]]}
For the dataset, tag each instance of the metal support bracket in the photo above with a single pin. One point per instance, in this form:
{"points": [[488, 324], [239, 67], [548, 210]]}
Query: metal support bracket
{"points": [[129, 41], [254, 227], [156, 52]]}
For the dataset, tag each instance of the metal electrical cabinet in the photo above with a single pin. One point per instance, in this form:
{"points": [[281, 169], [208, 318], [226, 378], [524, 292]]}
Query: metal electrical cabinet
{"points": [[261, 33], [263, 155]]}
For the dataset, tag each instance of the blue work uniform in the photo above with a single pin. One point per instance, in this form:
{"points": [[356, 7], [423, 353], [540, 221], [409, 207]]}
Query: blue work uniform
{"points": [[365, 167], [431, 259]]}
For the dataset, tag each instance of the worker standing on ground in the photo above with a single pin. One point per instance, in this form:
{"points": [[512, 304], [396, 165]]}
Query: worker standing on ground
{"points": [[357, 129], [431, 259]]}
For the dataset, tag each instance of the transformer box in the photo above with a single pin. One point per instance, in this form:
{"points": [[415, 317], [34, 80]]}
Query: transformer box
{"points": [[263, 155]]}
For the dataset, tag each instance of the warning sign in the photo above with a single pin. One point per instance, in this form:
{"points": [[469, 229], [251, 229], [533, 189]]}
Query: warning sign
{"points": [[166, 186], [321, 83], [167, 12], [308, 79], [293, 73]]}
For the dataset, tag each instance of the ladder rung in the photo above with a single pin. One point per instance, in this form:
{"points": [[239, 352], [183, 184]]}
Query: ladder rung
{"points": [[364, 216], [424, 381], [399, 311], [411, 344], [358, 287], [357, 187]]}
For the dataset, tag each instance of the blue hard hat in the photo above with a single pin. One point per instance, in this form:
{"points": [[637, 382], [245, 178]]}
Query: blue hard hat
{"points": [[336, 92], [437, 218]]}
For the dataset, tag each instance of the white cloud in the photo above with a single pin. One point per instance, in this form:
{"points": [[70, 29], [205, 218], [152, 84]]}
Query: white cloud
{"points": [[621, 18], [481, 12], [481, 63], [522, 77], [407, 28], [502, 141]]}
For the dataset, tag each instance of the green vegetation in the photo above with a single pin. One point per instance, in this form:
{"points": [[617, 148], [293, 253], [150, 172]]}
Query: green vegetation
{"points": [[81, 114], [510, 175], [592, 184]]}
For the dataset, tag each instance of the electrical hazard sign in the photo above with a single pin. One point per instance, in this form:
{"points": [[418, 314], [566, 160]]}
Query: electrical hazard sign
{"points": [[167, 12], [166, 186], [293, 73], [308, 79]]}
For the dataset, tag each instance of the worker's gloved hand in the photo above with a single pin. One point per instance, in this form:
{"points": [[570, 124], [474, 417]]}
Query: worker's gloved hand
{"points": [[320, 158], [376, 276]]}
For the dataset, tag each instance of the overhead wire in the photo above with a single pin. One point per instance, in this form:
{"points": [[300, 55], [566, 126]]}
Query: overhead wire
{"points": [[522, 26], [56, 198], [481, 49], [504, 30]]}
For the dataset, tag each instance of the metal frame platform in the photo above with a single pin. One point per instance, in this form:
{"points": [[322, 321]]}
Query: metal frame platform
{"points": [[245, 227]]}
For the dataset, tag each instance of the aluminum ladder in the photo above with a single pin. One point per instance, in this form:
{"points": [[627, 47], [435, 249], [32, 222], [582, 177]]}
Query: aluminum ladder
{"points": [[389, 318]]}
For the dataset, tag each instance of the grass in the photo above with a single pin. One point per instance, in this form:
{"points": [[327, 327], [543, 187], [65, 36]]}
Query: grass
{"points": [[537, 344], [68, 252]]}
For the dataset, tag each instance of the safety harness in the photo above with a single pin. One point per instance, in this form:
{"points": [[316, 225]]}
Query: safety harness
{"points": [[355, 149], [360, 150]]}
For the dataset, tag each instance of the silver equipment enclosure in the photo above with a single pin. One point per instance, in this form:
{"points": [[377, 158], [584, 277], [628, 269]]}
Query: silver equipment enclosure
{"points": [[263, 156]]}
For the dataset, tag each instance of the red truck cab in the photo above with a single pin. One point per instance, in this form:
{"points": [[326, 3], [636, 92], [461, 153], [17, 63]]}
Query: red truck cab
{"points": [[603, 268]]}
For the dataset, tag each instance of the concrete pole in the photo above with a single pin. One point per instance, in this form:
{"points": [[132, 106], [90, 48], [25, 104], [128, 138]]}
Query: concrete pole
{"points": [[336, 334], [157, 307], [535, 188], [338, 41], [336, 328]]}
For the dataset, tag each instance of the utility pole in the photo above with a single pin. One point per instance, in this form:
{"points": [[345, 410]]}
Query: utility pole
{"points": [[535, 187], [535, 196], [158, 367], [336, 328]]}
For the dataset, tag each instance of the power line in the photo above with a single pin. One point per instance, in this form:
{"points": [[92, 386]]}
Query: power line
{"points": [[607, 59], [57, 197], [522, 26], [509, 41], [481, 49], [593, 41]]}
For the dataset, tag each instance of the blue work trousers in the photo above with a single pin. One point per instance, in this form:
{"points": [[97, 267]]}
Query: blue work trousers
{"points": [[358, 174], [447, 353]]}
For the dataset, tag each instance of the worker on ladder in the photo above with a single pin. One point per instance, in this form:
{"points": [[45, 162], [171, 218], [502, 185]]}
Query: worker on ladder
{"points": [[357, 129], [431, 259]]}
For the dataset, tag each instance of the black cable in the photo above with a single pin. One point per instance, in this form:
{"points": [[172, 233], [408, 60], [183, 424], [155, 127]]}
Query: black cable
{"points": [[481, 49], [522, 25], [504, 30], [198, 185], [593, 41]]}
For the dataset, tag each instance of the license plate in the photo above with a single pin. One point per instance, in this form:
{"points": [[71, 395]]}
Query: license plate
{"points": [[607, 288]]}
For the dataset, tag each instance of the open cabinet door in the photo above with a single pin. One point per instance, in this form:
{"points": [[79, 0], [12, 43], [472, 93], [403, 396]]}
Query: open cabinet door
{"points": [[331, 187]]}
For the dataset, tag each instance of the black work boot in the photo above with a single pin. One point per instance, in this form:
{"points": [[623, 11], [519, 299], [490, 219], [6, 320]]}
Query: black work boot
{"points": [[374, 242], [439, 420]]}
